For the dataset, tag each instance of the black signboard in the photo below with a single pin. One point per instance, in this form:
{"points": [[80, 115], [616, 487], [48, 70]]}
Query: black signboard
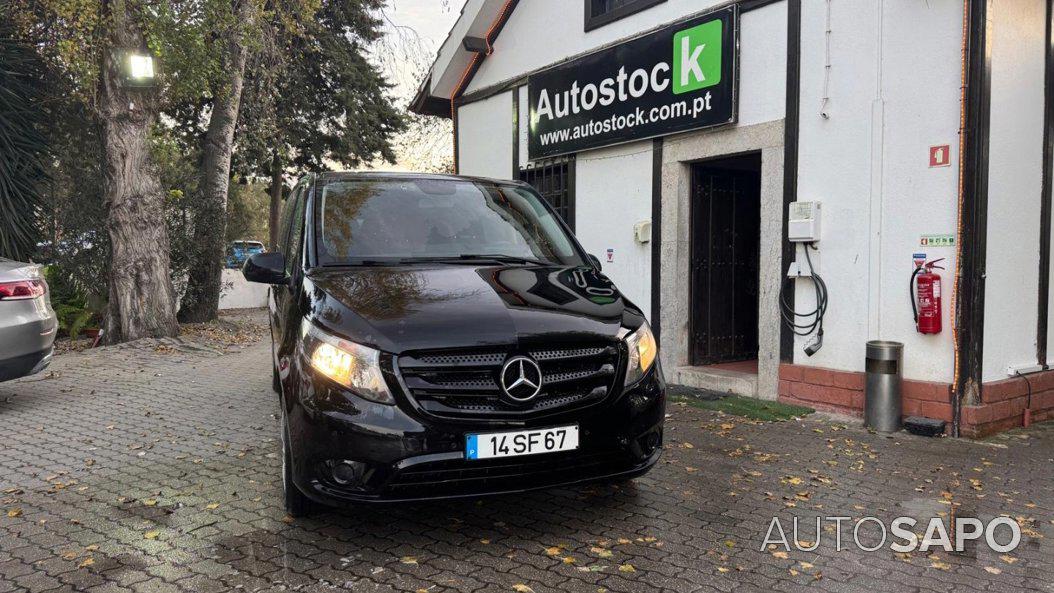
{"points": [[682, 77]]}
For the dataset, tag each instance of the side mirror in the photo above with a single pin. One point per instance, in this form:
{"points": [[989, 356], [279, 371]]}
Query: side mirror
{"points": [[265, 268], [596, 262]]}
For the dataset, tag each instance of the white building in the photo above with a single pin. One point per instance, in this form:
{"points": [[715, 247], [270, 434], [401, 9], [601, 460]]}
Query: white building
{"points": [[917, 129]]}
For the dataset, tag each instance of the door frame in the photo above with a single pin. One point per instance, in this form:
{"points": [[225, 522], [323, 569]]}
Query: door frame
{"points": [[693, 298], [679, 153]]}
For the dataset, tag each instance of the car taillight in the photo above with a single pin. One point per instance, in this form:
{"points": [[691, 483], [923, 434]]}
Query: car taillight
{"points": [[22, 290]]}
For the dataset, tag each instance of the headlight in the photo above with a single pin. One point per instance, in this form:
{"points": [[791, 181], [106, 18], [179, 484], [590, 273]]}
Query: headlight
{"points": [[352, 365], [642, 352]]}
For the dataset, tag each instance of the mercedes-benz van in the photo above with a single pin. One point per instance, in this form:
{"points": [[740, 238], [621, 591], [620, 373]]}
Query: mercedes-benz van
{"points": [[440, 336]]}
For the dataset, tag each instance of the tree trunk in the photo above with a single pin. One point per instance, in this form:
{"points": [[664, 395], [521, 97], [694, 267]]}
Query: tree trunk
{"points": [[141, 296], [202, 300], [276, 199]]}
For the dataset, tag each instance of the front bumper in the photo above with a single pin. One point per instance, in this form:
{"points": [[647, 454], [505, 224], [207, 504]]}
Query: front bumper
{"points": [[392, 455]]}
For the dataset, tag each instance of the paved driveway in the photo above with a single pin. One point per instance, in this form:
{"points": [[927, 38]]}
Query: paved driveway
{"points": [[154, 467]]}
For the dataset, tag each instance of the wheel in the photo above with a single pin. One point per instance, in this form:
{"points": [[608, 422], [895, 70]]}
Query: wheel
{"points": [[296, 504], [276, 383]]}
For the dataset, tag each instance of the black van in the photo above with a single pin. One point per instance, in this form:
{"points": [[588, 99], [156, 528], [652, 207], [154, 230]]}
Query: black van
{"points": [[439, 336]]}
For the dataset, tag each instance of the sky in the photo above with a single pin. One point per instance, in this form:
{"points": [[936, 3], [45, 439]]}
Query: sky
{"points": [[430, 19], [421, 25]]}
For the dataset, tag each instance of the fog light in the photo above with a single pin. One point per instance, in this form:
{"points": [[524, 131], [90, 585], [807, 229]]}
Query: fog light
{"points": [[651, 442], [347, 473]]}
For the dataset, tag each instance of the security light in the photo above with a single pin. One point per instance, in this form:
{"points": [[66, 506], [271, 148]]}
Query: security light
{"points": [[138, 68]]}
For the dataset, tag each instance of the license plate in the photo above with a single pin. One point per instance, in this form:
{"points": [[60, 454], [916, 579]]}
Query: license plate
{"points": [[522, 442]]}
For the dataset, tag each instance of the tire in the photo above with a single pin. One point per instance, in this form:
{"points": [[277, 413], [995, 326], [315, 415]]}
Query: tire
{"points": [[276, 383], [296, 504]]}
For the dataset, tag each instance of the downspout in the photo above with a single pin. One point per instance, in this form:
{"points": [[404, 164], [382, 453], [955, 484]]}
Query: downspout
{"points": [[472, 67], [964, 69]]}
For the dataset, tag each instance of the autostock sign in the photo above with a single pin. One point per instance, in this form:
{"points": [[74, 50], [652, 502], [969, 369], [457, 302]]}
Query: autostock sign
{"points": [[682, 77]]}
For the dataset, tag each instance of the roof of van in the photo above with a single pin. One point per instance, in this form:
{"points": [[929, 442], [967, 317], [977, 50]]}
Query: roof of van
{"points": [[353, 175]]}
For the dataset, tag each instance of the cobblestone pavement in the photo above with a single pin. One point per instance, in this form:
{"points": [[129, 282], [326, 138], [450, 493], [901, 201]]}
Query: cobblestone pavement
{"points": [[155, 467]]}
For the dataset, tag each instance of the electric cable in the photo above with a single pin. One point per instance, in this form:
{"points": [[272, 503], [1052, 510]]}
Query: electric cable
{"points": [[811, 321]]}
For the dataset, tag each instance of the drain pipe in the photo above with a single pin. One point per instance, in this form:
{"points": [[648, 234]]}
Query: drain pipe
{"points": [[472, 67], [964, 69]]}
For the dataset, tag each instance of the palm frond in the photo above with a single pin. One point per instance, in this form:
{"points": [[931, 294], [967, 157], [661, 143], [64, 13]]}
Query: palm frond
{"points": [[23, 146]]}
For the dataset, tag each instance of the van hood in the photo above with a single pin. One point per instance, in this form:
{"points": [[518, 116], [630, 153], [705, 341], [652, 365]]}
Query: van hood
{"points": [[407, 308]]}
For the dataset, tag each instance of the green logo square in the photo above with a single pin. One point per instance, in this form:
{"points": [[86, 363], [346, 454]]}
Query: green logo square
{"points": [[697, 57]]}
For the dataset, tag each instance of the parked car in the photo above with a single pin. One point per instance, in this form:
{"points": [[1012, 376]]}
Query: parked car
{"points": [[239, 251], [27, 321], [439, 336]]}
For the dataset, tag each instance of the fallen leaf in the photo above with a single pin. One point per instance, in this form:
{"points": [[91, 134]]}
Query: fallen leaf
{"points": [[408, 560], [940, 565], [626, 568], [1008, 559], [152, 534], [150, 502], [552, 551], [521, 588], [86, 563], [780, 554], [12, 513], [993, 570], [212, 506]]}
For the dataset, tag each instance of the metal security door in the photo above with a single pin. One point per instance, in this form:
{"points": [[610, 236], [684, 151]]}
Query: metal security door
{"points": [[725, 236]]}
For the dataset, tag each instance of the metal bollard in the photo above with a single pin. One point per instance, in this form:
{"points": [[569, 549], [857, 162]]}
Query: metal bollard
{"points": [[882, 394]]}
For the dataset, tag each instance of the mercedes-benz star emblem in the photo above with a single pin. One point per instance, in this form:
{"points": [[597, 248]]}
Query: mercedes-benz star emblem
{"points": [[521, 379]]}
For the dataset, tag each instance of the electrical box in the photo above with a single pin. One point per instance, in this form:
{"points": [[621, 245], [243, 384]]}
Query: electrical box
{"points": [[642, 231], [803, 222]]}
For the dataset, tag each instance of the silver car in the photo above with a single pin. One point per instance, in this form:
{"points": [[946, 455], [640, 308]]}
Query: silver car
{"points": [[27, 321]]}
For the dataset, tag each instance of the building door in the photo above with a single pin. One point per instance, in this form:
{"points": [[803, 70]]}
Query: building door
{"points": [[554, 179], [725, 238]]}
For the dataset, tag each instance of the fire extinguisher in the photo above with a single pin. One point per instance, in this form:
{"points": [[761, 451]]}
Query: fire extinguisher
{"points": [[926, 299]]}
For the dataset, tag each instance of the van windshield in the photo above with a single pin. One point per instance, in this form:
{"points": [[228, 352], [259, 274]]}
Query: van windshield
{"points": [[434, 219]]}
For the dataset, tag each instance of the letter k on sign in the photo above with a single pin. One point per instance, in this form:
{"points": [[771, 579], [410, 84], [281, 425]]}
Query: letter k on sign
{"points": [[697, 58]]}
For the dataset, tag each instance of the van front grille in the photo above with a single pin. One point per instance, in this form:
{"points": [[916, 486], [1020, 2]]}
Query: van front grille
{"points": [[466, 384]]}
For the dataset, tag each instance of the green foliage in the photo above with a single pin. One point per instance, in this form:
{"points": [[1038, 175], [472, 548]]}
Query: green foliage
{"points": [[314, 98], [74, 309], [247, 212], [73, 214], [23, 148]]}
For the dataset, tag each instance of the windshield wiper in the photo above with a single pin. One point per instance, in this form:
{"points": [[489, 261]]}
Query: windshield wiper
{"points": [[495, 257]]}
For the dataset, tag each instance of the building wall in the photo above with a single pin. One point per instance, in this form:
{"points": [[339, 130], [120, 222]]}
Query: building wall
{"points": [[613, 193], [1014, 185], [239, 293], [549, 31], [867, 162], [614, 184], [485, 137]]}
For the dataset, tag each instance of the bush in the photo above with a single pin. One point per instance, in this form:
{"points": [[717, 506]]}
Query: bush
{"points": [[74, 309]]}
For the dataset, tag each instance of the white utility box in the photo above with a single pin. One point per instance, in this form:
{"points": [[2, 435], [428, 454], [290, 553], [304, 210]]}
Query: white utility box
{"points": [[642, 231], [803, 222]]}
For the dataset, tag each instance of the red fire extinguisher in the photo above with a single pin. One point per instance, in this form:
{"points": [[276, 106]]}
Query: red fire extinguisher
{"points": [[926, 299]]}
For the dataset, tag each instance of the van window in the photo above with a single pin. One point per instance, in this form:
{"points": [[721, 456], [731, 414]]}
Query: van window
{"points": [[287, 217], [296, 231], [400, 219]]}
